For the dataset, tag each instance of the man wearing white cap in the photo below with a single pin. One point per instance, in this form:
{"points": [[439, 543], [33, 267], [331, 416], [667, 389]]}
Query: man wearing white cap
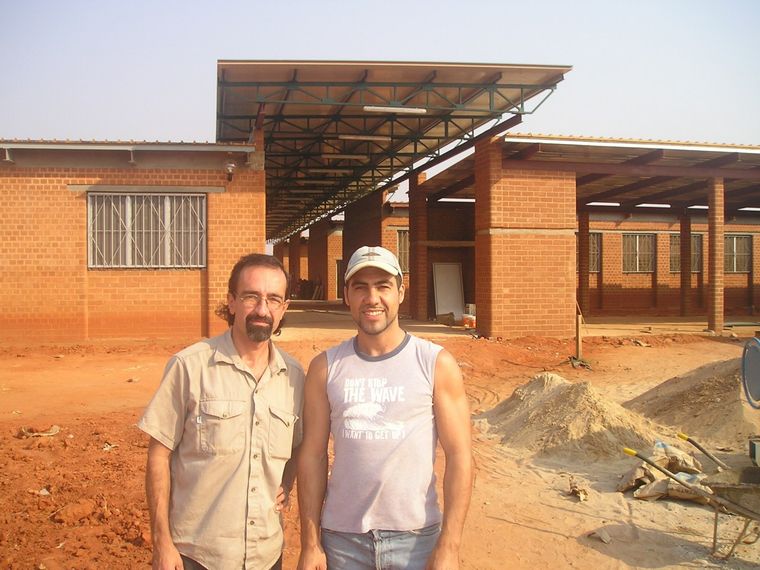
{"points": [[387, 397]]}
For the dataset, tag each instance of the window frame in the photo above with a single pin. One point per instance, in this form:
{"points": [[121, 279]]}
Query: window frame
{"points": [[147, 230], [730, 258], [697, 257], [403, 253], [637, 253], [594, 252]]}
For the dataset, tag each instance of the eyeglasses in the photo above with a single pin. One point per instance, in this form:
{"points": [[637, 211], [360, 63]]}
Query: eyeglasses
{"points": [[252, 300]]}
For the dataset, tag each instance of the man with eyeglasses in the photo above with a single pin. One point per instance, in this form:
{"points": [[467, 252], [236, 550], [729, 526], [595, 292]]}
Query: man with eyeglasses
{"points": [[225, 426]]}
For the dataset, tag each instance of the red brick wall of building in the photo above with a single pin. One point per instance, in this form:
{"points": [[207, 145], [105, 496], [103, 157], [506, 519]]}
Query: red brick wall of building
{"points": [[280, 251], [614, 292], [525, 248], [363, 224], [391, 224], [48, 293]]}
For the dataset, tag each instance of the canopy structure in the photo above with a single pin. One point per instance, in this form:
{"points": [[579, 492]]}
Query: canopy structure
{"points": [[614, 175], [336, 131]]}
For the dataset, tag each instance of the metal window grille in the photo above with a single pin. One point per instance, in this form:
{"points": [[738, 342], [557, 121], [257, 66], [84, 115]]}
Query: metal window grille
{"points": [[146, 230], [638, 253], [594, 252], [738, 254], [696, 253], [403, 249]]}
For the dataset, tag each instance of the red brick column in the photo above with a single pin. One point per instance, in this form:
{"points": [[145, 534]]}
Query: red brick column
{"points": [[685, 268], [584, 299], [362, 224], [294, 257], [715, 222], [418, 252], [525, 223], [280, 251], [661, 277]]}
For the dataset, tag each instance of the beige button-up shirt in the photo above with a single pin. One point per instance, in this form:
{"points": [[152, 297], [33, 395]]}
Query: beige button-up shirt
{"points": [[231, 437]]}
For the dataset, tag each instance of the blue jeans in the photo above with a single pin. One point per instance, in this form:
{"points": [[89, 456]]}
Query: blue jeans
{"points": [[380, 549]]}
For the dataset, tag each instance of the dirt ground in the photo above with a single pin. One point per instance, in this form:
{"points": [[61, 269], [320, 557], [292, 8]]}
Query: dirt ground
{"points": [[75, 499]]}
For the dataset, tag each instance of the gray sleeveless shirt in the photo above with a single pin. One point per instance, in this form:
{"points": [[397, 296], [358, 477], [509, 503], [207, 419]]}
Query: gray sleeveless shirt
{"points": [[383, 428]]}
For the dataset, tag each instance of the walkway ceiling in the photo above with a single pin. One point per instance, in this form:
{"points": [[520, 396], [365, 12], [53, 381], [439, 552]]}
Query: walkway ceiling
{"points": [[626, 173], [337, 131]]}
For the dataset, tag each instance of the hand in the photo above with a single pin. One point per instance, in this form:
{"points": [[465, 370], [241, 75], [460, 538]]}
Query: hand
{"points": [[312, 559], [166, 557], [282, 500], [443, 558]]}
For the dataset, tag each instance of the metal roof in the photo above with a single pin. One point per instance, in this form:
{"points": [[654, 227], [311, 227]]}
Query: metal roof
{"points": [[629, 173], [337, 131]]}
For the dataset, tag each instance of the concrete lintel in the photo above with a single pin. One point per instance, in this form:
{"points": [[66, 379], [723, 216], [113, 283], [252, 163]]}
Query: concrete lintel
{"points": [[525, 231], [128, 189]]}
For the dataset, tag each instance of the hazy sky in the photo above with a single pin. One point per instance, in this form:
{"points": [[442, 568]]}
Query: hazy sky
{"points": [[684, 70]]}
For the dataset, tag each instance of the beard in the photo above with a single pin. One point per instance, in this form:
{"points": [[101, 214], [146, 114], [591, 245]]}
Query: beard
{"points": [[376, 328], [258, 332]]}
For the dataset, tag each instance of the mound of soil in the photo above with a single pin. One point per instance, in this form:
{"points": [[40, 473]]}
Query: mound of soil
{"points": [[550, 415], [707, 403]]}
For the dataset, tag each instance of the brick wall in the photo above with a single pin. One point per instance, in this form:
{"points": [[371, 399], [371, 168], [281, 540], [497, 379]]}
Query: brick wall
{"points": [[390, 226], [524, 247], [281, 251], [48, 294], [363, 224], [614, 292], [334, 283]]}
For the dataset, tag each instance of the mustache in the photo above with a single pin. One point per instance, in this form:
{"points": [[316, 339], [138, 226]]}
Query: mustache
{"points": [[249, 320]]}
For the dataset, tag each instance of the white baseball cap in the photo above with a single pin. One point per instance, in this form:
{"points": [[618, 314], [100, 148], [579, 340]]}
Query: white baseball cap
{"points": [[373, 256]]}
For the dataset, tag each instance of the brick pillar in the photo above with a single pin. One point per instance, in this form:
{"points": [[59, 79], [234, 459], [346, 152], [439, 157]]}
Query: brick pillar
{"points": [[584, 299], [525, 223], [362, 224], [419, 275], [294, 258], [661, 276], [685, 268], [715, 223], [280, 251], [755, 275]]}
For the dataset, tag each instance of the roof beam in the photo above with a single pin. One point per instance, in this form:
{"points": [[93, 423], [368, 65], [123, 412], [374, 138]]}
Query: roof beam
{"points": [[633, 170], [673, 192], [452, 189], [612, 192], [718, 162], [527, 152], [647, 158]]}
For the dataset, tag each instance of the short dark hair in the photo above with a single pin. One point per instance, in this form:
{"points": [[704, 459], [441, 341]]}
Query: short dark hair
{"points": [[250, 260]]}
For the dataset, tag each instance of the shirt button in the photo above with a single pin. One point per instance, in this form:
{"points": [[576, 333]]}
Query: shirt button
{"points": [[255, 455], [257, 422], [251, 523], [254, 489]]}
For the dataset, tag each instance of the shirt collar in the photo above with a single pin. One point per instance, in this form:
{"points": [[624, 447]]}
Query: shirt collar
{"points": [[226, 352]]}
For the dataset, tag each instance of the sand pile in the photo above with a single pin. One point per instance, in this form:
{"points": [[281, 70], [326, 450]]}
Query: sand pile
{"points": [[707, 403], [551, 415]]}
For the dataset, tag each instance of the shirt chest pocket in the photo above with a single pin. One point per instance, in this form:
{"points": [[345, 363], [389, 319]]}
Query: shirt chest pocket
{"points": [[223, 426], [281, 424]]}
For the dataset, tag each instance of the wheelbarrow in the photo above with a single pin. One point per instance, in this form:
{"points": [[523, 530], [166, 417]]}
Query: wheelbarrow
{"points": [[735, 491]]}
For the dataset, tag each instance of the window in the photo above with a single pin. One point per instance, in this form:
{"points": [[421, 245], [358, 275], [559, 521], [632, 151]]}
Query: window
{"points": [[146, 230], [738, 254], [638, 253], [594, 252], [696, 253], [403, 249]]}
